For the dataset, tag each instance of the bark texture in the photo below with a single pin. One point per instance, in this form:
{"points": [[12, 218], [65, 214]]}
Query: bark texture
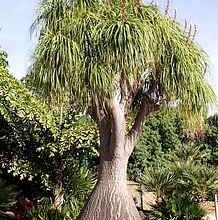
{"points": [[111, 200]]}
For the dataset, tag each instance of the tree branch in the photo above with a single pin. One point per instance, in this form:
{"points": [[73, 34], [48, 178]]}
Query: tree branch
{"points": [[128, 93], [118, 124], [7, 214], [112, 130], [147, 106], [104, 126], [93, 111]]}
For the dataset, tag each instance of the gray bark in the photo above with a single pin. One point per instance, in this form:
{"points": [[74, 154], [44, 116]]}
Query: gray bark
{"points": [[110, 199]]}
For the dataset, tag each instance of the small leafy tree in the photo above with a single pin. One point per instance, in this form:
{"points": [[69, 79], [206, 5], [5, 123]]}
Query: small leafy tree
{"points": [[25, 125], [163, 132], [37, 149], [211, 139]]}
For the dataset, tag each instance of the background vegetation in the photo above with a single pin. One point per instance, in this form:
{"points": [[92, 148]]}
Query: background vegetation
{"points": [[49, 148]]}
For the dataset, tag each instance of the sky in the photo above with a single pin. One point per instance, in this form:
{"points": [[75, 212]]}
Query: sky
{"points": [[16, 17]]}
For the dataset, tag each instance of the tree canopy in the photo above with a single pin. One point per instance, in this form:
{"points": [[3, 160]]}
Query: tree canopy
{"points": [[118, 48]]}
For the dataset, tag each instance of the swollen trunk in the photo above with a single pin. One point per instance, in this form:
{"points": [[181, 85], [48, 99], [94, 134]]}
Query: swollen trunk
{"points": [[110, 199]]}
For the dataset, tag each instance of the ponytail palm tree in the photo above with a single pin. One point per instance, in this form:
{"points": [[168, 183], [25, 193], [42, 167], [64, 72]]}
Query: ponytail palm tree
{"points": [[117, 59]]}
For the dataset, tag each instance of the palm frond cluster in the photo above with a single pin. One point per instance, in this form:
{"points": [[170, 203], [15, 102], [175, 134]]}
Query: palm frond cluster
{"points": [[95, 49], [182, 183]]}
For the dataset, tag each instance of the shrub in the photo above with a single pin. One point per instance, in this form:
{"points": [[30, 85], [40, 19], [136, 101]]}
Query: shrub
{"points": [[180, 183], [162, 133], [183, 208], [79, 183], [7, 195]]}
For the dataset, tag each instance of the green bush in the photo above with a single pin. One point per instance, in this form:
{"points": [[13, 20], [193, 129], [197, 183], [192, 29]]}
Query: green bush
{"points": [[162, 133], [162, 181], [183, 208], [177, 208], [44, 210], [7, 195], [79, 183], [180, 183], [211, 139]]}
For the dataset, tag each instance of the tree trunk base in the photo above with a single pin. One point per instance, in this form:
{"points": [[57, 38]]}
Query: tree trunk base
{"points": [[110, 201]]}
